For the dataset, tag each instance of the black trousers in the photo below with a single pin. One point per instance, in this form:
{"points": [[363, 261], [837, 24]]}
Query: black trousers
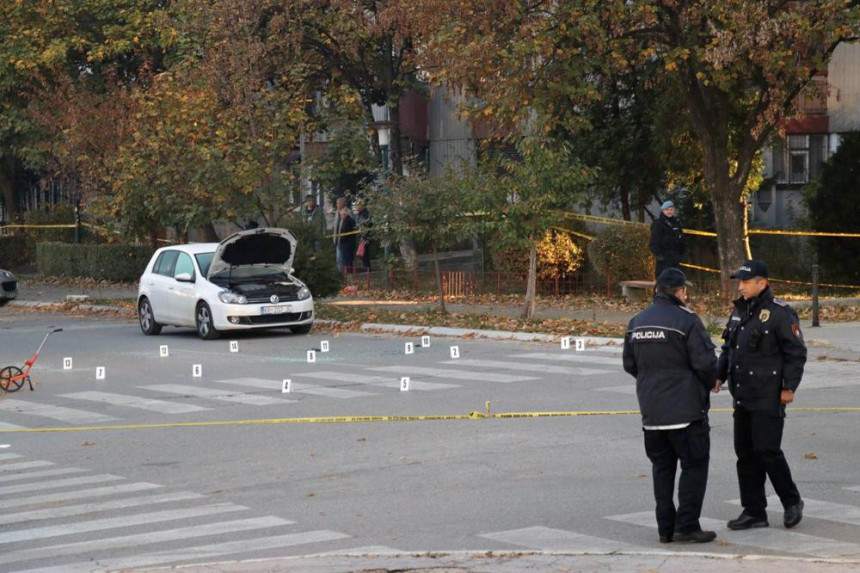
{"points": [[669, 260], [758, 445], [665, 448]]}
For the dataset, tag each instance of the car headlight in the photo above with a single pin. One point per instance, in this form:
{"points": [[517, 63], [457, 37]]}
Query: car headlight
{"points": [[6, 274], [304, 293], [232, 298]]}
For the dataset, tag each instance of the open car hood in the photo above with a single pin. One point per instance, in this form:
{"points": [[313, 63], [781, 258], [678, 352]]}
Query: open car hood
{"points": [[254, 247]]}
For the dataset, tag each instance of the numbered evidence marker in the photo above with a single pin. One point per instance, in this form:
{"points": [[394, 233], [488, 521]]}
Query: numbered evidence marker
{"points": [[234, 346], [425, 342], [100, 372], [67, 363], [565, 343], [410, 348], [163, 351], [287, 387], [404, 384], [197, 370], [455, 352], [580, 344], [324, 346], [312, 356]]}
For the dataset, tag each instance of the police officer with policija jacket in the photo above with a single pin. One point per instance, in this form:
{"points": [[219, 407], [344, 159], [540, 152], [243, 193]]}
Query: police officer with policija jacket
{"points": [[762, 358], [672, 357]]}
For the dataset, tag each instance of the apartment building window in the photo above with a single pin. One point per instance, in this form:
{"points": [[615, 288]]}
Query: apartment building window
{"points": [[798, 158]]}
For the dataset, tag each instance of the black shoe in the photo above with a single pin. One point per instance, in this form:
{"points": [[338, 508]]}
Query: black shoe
{"points": [[747, 521], [793, 514], [665, 539], [695, 536]]}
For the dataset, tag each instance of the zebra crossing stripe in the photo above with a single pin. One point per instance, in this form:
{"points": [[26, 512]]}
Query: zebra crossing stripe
{"points": [[579, 358], [529, 366], [163, 536], [82, 509], [160, 406], [773, 539], [41, 474], [273, 385], [214, 394], [54, 484], [5, 457], [200, 552], [548, 539], [59, 413], [329, 392], [825, 510], [454, 374], [114, 522], [72, 495], [24, 466], [5, 426], [385, 381]]}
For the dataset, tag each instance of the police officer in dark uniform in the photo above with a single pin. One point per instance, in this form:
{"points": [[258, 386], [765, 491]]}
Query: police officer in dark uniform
{"points": [[667, 239], [672, 357], [762, 358]]}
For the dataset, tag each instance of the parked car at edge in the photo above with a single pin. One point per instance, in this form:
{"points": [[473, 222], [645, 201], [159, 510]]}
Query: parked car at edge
{"points": [[244, 282], [8, 287]]}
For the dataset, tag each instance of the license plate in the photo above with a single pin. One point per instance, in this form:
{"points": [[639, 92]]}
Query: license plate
{"points": [[282, 309]]}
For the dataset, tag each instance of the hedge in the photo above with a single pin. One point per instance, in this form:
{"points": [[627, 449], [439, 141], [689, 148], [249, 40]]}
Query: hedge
{"points": [[13, 251], [621, 253], [103, 262]]}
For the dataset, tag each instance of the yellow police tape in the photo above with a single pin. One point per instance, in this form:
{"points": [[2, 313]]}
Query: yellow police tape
{"points": [[366, 419]]}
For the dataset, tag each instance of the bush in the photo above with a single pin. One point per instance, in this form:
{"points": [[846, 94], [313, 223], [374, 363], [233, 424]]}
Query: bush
{"points": [[13, 251], [314, 260], [102, 262], [621, 253], [558, 256]]}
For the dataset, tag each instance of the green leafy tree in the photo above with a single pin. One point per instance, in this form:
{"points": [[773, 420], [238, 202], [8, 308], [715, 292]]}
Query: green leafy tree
{"points": [[833, 208], [428, 209], [527, 197]]}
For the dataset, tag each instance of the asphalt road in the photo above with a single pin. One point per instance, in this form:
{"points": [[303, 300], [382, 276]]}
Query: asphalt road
{"points": [[153, 466]]}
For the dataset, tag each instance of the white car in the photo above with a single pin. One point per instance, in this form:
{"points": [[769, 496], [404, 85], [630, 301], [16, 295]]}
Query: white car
{"points": [[241, 283]]}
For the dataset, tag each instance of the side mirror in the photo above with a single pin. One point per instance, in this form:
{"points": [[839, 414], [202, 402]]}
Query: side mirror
{"points": [[184, 278]]}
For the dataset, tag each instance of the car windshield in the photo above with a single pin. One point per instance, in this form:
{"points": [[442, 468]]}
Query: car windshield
{"points": [[203, 261]]}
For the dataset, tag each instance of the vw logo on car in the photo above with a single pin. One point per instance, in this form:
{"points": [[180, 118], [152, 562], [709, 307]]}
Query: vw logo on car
{"points": [[274, 299]]}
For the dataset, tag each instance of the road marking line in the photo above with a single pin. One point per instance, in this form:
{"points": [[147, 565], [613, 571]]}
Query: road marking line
{"points": [[779, 540], [273, 385], [150, 538], [123, 400], [385, 381], [4, 457], [84, 508], [5, 426], [548, 539], [201, 552], [72, 495], [529, 366], [327, 392], [454, 374], [54, 484], [42, 473], [24, 466], [68, 415], [213, 394], [580, 357], [825, 510], [116, 522]]}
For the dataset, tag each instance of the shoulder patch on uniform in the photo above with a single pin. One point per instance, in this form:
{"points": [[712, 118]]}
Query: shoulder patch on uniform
{"points": [[780, 302]]}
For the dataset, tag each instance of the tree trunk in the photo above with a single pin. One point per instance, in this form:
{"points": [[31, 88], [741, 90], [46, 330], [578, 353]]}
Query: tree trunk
{"points": [[439, 281], [730, 221], [531, 283], [7, 189], [408, 250], [208, 233]]}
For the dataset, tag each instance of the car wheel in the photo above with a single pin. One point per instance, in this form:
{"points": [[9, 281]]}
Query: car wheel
{"points": [[203, 318], [303, 329], [3, 301], [147, 318]]}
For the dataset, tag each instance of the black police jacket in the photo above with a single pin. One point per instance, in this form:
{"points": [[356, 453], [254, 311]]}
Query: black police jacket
{"points": [[667, 239], [762, 352], [672, 357]]}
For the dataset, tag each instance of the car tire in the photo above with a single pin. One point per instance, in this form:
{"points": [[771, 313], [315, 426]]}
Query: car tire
{"points": [[3, 302], [203, 319], [146, 318], [303, 329]]}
